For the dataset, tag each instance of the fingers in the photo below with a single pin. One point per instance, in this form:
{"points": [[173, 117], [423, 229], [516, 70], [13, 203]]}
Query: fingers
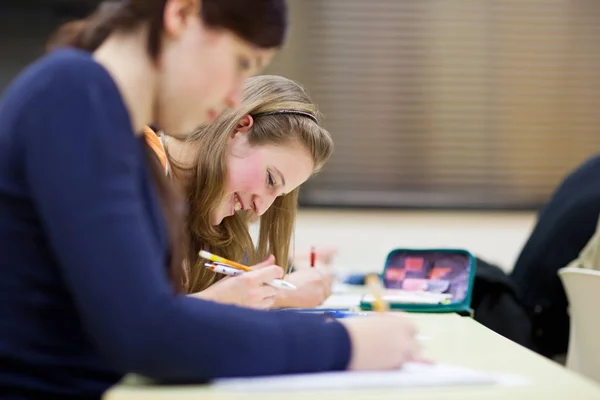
{"points": [[267, 274], [422, 360], [269, 261]]}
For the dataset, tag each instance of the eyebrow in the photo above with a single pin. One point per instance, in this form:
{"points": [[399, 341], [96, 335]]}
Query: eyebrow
{"points": [[280, 175]]}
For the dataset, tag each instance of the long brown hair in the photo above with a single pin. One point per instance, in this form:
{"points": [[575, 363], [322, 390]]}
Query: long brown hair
{"points": [[206, 181], [262, 23]]}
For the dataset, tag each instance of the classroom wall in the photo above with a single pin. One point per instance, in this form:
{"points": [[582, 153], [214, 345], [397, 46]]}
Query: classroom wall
{"points": [[23, 33], [364, 237], [448, 103]]}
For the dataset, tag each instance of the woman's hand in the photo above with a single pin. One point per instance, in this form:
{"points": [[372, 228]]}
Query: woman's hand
{"points": [[313, 288], [383, 341], [248, 289]]}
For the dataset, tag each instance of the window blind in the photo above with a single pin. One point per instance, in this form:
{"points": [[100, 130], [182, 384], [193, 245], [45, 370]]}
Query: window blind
{"points": [[448, 103]]}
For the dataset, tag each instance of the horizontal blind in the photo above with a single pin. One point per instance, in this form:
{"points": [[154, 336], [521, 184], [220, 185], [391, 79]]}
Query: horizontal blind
{"points": [[448, 103]]}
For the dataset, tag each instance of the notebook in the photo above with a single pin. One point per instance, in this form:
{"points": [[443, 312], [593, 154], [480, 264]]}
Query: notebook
{"points": [[411, 375]]}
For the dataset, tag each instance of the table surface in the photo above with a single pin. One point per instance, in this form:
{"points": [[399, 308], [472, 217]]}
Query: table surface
{"points": [[447, 338]]}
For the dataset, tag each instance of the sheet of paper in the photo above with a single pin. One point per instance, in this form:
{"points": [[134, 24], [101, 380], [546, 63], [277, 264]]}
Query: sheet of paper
{"points": [[343, 288], [402, 296], [342, 300], [412, 375]]}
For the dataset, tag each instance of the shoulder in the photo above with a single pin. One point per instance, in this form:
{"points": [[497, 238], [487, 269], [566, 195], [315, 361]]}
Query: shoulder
{"points": [[66, 65], [62, 94], [66, 77], [583, 175]]}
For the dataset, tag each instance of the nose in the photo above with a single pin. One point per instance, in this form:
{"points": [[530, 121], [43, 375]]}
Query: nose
{"points": [[263, 202]]}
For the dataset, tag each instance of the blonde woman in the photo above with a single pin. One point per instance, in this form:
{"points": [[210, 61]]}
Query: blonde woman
{"points": [[250, 162]]}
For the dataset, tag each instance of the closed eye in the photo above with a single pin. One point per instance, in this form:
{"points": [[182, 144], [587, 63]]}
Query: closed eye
{"points": [[270, 180], [243, 63]]}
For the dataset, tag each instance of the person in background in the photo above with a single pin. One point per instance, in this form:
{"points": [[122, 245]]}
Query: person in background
{"points": [[249, 163], [564, 226], [92, 284]]}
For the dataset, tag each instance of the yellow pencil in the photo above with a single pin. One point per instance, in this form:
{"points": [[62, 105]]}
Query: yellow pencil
{"points": [[374, 283], [209, 256]]}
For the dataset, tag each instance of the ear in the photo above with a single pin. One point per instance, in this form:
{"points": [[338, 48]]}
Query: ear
{"points": [[244, 125], [178, 14]]}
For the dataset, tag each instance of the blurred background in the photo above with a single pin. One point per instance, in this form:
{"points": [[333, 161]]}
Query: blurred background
{"points": [[476, 108]]}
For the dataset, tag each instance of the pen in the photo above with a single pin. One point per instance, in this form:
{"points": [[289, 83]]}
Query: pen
{"points": [[315, 310], [223, 269], [313, 256], [221, 260], [228, 270], [281, 284], [374, 283], [346, 314]]}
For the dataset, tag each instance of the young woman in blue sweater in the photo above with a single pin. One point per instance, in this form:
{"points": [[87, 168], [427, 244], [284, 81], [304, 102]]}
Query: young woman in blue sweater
{"points": [[90, 230]]}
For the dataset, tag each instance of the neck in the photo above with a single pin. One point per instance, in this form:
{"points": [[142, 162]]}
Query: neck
{"points": [[125, 58]]}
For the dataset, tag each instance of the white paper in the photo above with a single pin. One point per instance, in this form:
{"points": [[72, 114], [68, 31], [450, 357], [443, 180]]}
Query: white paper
{"points": [[342, 300], [412, 375], [343, 288]]}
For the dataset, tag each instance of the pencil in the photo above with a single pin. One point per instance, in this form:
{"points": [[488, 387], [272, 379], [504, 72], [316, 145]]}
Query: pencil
{"points": [[209, 256], [374, 283]]}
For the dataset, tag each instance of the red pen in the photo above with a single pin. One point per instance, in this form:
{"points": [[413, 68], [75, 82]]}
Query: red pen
{"points": [[313, 257]]}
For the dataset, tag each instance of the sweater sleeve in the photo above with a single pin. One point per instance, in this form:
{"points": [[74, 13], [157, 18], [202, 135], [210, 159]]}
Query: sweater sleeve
{"points": [[82, 166]]}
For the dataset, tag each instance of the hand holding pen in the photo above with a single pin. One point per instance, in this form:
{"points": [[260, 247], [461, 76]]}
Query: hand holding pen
{"points": [[248, 289], [227, 270], [228, 267]]}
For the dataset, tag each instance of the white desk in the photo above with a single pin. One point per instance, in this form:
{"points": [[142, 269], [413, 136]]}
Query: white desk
{"points": [[450, 339]]}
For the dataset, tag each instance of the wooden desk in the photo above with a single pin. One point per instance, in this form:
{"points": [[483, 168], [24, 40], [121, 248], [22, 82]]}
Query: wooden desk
{"points": [[448, 338]]}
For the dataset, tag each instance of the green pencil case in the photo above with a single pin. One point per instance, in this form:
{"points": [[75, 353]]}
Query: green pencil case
{"points": [[427, 281]]}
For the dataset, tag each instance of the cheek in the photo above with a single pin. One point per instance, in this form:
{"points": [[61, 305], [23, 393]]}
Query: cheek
{"points": [[246, 175], [223, 76], [218, 66], [208, 73]]}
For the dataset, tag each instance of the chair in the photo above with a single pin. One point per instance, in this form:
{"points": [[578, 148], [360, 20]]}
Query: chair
{"points": [[582, 287]]}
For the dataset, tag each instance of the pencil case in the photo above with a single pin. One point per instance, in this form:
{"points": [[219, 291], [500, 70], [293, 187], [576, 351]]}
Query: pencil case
{"points": [[427, 280]]}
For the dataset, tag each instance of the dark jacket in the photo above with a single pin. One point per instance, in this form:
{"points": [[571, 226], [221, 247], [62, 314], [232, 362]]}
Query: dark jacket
{"points": [[565, 225], [496, 305]]}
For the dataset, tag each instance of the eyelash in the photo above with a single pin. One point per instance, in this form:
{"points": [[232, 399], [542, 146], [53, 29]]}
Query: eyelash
{"points": [[270, 180]]}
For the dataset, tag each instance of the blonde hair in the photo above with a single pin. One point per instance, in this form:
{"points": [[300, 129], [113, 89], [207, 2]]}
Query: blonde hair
{"points": [[264, 99]]}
